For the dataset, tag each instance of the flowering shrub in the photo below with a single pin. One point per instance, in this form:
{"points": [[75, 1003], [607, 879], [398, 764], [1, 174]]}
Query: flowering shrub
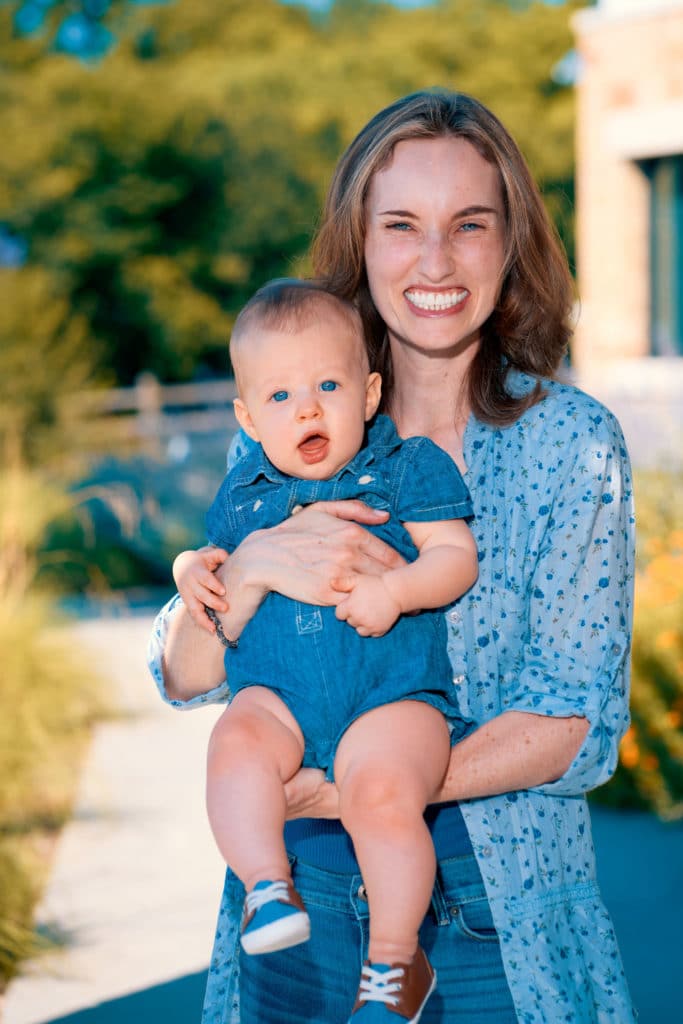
{"points": [[650, 773]]}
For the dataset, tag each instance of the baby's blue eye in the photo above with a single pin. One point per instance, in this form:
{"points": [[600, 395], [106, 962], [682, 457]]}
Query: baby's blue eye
{"points": [[329, 385], [280, 396]]}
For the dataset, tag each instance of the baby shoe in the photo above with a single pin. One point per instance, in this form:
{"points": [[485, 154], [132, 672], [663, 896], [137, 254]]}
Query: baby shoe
{"points": [[394, 993], [274, 918]]}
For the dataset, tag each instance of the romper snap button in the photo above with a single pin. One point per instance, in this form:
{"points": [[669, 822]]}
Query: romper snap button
{"points": [[362, 893], [455, 911]]}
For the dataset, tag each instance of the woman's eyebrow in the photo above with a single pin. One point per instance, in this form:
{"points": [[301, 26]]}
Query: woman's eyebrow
{"points": [[469, 211]]}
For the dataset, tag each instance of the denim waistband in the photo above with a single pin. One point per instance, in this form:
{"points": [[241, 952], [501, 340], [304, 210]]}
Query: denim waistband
{"points": [[458, 881], [327, 845]]}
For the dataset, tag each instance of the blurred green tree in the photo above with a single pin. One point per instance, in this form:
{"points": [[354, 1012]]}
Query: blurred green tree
{"points": [[160, 187]]}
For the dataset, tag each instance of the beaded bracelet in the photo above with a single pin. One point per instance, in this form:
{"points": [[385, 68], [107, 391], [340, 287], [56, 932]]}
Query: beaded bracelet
{"points": [[220, 634]]}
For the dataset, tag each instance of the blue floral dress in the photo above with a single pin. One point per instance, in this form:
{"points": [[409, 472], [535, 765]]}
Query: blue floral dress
{"points": [[546, 630]]}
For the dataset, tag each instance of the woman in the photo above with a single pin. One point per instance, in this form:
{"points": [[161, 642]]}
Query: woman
{"points": [[435, 227]]}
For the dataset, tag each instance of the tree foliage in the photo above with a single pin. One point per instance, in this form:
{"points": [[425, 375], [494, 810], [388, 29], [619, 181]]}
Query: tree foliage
{"points": [[156, 189]]}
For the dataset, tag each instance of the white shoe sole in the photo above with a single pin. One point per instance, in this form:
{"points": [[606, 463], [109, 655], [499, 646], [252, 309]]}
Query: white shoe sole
{"points": [[288, 931], [417, 1016]]}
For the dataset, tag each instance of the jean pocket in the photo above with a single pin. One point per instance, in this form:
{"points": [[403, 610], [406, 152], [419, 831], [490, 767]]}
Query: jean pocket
{"points": [[474, 919]]}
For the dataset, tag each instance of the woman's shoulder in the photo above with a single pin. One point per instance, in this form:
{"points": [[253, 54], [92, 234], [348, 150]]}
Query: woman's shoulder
{"points": [[565, 412]]}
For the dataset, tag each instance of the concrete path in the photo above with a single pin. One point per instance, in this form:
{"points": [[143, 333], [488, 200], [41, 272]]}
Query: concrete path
{"points": [[136, 880]]}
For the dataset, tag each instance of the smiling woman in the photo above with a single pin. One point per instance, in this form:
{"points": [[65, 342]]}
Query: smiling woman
{"points": [[435, 230]]}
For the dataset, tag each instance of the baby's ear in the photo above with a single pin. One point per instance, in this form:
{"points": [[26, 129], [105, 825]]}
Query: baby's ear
{"points": [[244, 419], [373, 393]]}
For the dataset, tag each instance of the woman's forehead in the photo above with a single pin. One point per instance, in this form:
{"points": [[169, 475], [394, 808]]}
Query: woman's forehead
{"points": [[446, 168]]}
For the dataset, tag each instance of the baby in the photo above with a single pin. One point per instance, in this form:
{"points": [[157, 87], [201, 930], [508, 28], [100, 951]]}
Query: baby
{"points": [[362, 690]]}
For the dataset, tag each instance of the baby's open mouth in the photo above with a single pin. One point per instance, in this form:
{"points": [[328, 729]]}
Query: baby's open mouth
{"points": [[314, 447]]}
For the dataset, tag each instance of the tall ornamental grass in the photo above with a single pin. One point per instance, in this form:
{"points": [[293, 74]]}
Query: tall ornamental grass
{"points": [[49, 700]]}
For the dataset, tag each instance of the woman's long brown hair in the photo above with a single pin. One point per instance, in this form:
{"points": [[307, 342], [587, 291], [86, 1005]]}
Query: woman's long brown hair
{"points": [[529, 328]]}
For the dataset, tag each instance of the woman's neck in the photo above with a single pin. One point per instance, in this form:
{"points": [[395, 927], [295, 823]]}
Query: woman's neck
{"points": [[430, 398]]}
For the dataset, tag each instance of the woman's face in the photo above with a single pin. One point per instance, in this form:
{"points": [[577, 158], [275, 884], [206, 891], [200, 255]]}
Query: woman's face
{"points": [[434, 245]]}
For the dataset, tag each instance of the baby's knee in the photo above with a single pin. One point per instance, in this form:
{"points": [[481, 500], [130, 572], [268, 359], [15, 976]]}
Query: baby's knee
{"points": [[377, 799], [235, 733]]}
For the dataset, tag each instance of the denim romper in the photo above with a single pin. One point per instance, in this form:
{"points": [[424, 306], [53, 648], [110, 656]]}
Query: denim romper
{"points": [[326, 673]]}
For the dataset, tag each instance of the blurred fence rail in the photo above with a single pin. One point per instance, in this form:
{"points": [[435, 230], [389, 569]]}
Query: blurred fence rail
{"points": [[149, 412]]}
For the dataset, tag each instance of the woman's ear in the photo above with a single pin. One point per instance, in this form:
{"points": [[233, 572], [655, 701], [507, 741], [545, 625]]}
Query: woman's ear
{"points": [[373, 393], [244, 419]]}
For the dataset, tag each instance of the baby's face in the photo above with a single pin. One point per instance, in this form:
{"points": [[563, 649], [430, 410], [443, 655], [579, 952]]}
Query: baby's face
{"points": [[306, 394]]}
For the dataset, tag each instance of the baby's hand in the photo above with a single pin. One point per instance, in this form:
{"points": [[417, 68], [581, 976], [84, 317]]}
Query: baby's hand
{"points": [[193, 572], [369, 607]]}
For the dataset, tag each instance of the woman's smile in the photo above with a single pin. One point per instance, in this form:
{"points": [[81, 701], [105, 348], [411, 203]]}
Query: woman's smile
{"points": [[436, 303]]}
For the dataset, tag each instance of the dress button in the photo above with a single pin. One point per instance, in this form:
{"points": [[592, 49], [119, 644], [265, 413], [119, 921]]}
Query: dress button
{"points": [[458, 680], [486, 851], [454, 615], [365, 479], [362, 893]]}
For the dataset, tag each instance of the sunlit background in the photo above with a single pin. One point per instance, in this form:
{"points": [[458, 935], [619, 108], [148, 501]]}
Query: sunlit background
{"points": [[160, 161]]}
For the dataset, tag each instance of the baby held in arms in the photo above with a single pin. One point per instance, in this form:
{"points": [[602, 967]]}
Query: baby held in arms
{"points": [[362, 688]]}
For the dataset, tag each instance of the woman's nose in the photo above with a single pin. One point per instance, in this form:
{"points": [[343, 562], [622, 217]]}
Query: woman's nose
{"points": [[436, 257]]}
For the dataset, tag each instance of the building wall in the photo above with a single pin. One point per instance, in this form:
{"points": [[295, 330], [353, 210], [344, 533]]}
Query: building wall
{"points": [[630, 108]]}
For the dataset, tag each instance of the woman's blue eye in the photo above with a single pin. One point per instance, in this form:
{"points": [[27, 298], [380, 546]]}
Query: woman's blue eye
{"points": [[469, 226], [400, 225], [280, 396], [329, 385]]}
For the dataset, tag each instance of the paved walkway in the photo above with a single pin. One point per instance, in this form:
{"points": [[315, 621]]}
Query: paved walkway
{"points": [[136, 880]]}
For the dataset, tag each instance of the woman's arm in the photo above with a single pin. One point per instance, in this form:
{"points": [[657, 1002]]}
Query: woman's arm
{"points": [[513, 751], [298, 558]]}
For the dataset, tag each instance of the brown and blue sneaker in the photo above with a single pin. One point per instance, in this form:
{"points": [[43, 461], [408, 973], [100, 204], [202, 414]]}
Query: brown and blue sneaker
{"points": [[394, 993], [274, 918]]}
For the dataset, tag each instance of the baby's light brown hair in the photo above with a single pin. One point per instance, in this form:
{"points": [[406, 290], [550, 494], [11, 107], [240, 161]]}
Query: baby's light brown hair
{"points": [[287, 304]]}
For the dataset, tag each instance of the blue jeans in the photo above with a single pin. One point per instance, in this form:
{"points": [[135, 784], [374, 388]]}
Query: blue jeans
{"points": [[316, 983]]}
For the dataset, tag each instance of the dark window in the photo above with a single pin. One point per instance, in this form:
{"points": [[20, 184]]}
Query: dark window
{"points": [[666, 208]]}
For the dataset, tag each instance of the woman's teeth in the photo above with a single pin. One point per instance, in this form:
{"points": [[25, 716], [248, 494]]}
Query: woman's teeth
{"points": [[435, 300]]}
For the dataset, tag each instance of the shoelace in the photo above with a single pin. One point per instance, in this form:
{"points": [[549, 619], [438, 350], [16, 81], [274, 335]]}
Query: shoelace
{"points": [[380, 986], [257, 898]]}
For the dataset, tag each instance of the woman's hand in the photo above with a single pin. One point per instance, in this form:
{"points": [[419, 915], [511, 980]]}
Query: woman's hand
{"points": [[303, 556], [310, 796]]}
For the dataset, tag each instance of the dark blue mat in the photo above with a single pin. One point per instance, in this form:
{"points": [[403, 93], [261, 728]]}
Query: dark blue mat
{"points": [[640, 871]]}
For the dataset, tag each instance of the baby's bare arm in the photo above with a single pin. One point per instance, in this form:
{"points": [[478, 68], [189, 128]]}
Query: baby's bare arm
{"points": [[446, 567]]}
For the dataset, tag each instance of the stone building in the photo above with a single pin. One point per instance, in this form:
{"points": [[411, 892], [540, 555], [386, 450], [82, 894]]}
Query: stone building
{"points": [[628, 347]]}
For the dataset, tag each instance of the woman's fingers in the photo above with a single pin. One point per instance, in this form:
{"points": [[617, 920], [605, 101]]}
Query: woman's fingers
{"points": [[351, 509], [310, 796]]}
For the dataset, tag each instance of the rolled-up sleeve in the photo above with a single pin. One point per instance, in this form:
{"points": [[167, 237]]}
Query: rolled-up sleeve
{"points": [[157, 641], [155, 651], [576, 658]]}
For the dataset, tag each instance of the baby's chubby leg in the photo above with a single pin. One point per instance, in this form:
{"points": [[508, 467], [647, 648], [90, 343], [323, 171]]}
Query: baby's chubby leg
{"points": [[256, 746], [388, 766]]}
